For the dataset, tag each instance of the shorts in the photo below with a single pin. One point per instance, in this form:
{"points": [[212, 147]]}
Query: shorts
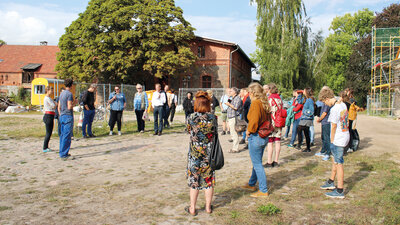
{"points": [[337, 153], [224, 117], [273, 139]]}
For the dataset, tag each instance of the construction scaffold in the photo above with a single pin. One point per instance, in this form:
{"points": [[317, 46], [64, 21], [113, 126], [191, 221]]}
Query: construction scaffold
{"points": [[385, 70]]}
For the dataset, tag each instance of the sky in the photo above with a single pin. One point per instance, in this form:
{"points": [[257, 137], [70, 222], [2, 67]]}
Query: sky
{"points": [[28, 22]]}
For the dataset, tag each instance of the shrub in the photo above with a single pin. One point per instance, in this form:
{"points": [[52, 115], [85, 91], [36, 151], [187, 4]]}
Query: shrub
{"points": [[269, 209]]}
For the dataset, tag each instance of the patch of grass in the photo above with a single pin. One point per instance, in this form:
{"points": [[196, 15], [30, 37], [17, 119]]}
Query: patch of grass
{"points": [[3, 208], [7, 180], [235, 214], [60, 170], [269, 209]]}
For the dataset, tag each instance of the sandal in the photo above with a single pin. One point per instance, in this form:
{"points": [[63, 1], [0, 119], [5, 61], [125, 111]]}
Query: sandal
{"points": [[187, 209]]}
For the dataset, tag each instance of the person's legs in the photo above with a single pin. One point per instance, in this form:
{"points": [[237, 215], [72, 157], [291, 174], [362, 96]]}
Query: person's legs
{"points": [[351, 134], [256, 151], [49, 123], [161, 124], [294, 130], [113, 118], [119, 120], [66, 132], [194, 193], [270, 152], [90, 123], [307, 134], [209, 195], [312, 134], [166, 115], [299, 135], [277, 150], [326, 132], [234, 134], [287, 131], [58, 126], [85, 121], [139, 119], [156, 113], [224, 122], [172, 113]]}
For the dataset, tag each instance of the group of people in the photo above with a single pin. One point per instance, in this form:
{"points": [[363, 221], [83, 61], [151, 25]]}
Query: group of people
{"points": [[257, 104]]}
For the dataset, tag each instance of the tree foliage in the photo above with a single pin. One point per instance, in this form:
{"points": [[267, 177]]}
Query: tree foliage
{"points": [[359, 67], [113, 39], [279, 41], [348, 30], [2, 42]]}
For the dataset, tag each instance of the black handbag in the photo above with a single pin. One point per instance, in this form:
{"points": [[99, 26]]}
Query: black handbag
{"points": [[216, 157]]}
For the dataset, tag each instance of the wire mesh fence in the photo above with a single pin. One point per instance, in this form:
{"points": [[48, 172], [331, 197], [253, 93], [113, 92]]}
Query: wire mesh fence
{"points": [[217, 92], [381, 105]]}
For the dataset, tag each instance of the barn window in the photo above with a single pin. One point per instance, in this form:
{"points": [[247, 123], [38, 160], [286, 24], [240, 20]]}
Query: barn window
{"points": [[6, 77], [206, 82], [39, 89], [201, 51], [1, 77]]}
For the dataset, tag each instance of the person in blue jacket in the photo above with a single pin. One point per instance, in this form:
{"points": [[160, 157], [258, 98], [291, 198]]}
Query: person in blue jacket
{"points": [[117, 103], [306, 119]]}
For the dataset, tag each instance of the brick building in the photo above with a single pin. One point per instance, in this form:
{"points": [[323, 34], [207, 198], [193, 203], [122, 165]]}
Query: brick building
{"points": [[20, 64], [220, 64]]}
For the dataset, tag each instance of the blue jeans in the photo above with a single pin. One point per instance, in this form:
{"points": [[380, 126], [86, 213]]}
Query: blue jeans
{"points": [[312, 134], [158, 116], [326, 139], [294, 131], [244, 135], [88, 116], [287, 131], [67, 123], [256, 151]]}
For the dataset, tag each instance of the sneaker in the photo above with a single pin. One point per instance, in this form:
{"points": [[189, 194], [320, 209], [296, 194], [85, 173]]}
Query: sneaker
{"points": [[312, 144], [85, 137], [142, 131], [350, 150], [319, 154], [268, 165], [248, 187], [275, 164], [328, 186], [335, 194], [159, 133], [306, 150], [155, 133], [246, 146], [326, 157], [228, 132], [298, 147], [111, 133], [290, 146], [92, 136], [242, 141], [259, 194], [69, 157], [223, 133], [46, 150], [119, 133]]}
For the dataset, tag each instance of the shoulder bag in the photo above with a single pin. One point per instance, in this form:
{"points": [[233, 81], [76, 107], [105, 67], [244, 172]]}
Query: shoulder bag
{"points": [[216, 157], [266, 128], [280, 116]]}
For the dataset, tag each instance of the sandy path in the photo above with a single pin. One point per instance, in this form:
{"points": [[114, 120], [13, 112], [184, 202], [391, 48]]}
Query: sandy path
{"points": [[134, 179]]}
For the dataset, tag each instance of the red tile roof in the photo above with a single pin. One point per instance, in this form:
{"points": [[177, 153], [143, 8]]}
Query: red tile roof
{"points": [[16, 56]]}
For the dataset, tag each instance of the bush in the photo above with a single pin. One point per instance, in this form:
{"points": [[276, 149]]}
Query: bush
{"points": [[269, 209]]}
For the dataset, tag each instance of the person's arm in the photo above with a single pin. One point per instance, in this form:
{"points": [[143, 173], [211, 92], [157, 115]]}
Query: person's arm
{"points": [[297, 108], [59, 108], [85, 100], [333, 131], [124, 99], [111, 98], [146, 101], [323, 115]]}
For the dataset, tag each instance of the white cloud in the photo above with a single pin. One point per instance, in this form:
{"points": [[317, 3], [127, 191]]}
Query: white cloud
{"points": [[25, 24], [231, 29]]}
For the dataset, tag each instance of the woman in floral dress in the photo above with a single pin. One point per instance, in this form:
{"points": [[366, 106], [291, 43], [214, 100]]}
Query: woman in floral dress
{"points": [[202, 126]]}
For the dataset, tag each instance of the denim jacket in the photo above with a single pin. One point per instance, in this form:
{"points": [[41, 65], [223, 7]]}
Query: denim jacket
{"points": [[118, 103], [308, 110]]}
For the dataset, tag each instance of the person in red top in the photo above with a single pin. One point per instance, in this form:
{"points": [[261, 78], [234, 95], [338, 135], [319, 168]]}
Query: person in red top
{"points": [[298, 107], [276, 103]]}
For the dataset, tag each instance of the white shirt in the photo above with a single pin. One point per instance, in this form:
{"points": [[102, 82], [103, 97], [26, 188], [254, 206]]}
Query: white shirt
{"points": [[48, 105], [158, 99], [340, 116]]}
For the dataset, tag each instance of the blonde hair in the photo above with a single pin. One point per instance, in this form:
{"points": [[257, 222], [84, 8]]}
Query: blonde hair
{"points": [[325, 93], [258, 93]]}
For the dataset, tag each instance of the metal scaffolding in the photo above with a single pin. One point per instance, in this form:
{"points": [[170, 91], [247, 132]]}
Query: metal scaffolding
{"points": [[385, 69]]}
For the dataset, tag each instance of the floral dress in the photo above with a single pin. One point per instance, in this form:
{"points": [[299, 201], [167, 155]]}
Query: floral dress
{"points": [[202, 127]]}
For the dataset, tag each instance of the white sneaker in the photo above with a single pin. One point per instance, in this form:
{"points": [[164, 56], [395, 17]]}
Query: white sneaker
{"points": [[119, 133], [111, 133]]}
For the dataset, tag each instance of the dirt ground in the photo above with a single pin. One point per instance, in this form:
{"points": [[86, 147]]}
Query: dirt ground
{"points": [[140, 179]]}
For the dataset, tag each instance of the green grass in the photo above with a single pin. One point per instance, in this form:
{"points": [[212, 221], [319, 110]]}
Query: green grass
{"points": [[3, 208], [269, 209]]}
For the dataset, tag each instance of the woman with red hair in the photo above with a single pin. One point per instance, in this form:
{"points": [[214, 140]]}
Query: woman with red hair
{"points": [[202, 125]]}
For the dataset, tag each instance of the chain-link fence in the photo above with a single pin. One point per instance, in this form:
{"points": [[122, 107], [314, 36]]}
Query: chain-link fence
{"points": [[217, 92]]}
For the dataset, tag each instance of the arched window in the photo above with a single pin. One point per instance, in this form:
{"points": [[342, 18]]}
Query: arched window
{"points": [[1, 77], [206, 81]]}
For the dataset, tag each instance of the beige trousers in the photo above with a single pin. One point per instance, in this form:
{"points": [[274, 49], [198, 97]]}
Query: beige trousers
{"points": [[234, 134]]}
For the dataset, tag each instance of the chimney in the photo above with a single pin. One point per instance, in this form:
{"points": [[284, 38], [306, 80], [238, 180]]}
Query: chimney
{"points": [[44, 43]]}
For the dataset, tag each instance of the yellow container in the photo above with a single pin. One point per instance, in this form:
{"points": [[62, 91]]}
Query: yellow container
{"points": [[38, 89]]}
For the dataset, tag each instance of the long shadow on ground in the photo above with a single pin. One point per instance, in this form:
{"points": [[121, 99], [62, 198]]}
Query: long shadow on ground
{"points": [[112, 151]]}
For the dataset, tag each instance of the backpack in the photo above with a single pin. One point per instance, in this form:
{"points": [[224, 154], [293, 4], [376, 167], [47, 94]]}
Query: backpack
{"points": [[280, 116], [317, 110]]}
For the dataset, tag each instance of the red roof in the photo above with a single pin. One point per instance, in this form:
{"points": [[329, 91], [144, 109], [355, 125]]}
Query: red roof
{"points": [[13, 57]]}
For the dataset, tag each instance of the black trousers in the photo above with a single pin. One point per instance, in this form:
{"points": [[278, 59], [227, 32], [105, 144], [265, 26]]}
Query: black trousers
{"points": [[115, 116], [166, 115], [306, 131], [139, 119], [172, 112], [48, 120]]}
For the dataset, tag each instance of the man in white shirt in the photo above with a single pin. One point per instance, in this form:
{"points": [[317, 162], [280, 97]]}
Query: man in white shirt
{"points": [[340, 137], [157, 102]]}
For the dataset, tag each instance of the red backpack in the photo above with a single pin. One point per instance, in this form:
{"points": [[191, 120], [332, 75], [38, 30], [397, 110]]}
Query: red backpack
{"points": [[280, 116]]}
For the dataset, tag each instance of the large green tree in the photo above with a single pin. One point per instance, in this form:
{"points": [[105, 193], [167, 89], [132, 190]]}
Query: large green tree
{"points": [[358, 75], [2, 42], [279, 53], [113, 39], [348, 30]]}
